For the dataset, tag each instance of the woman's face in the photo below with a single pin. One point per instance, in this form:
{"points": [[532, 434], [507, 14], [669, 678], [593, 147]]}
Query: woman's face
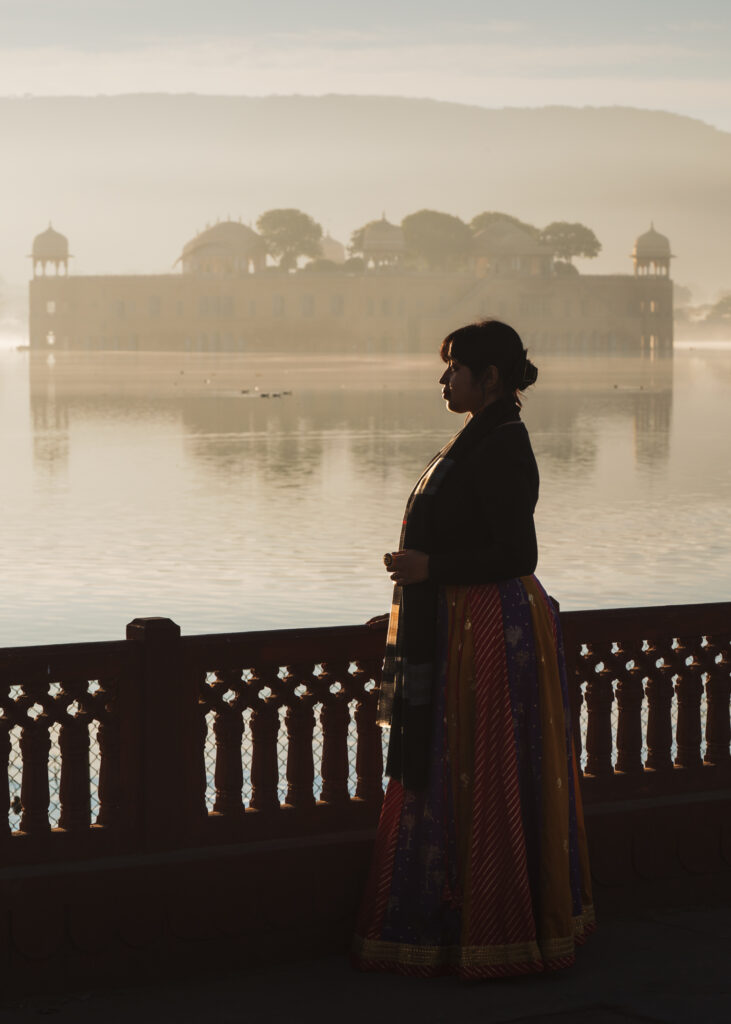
{"points": [[461, 389]]}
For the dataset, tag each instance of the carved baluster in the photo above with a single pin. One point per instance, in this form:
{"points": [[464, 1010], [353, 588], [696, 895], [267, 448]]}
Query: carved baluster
{"points": [[369, 754], [630, 694], [599, 698], [335, 718], [689, 690], [228, 728], [200, 736], [659, 693], [5, 727], [576, 700], [35, 745], [574, 679], [74, 789], [300, 723], [107, 737], [264, 762], [718, 695]]}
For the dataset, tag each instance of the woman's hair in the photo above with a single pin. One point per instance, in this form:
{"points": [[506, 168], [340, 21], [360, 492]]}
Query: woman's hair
{"points": [[492, 343]]}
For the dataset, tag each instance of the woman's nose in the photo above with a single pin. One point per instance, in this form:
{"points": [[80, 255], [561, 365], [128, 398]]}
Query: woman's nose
{"points": [[444, 376]]}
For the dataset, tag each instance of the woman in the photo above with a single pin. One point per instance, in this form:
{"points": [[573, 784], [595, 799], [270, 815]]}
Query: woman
{"points": [[480, 865]]}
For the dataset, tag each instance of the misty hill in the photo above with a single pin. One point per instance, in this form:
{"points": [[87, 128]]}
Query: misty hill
{"points": [[129, 179]]}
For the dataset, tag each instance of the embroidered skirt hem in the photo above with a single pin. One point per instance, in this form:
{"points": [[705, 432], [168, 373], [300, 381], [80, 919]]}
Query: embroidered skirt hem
{"points": [[473, 961]]}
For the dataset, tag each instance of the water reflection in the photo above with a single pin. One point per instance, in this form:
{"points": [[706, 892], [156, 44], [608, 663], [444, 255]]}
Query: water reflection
{"points": [[569, 411], [171, 487]]}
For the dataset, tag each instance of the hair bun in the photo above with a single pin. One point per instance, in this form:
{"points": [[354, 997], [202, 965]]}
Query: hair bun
{"points": [[530, 375], [523, 373]]}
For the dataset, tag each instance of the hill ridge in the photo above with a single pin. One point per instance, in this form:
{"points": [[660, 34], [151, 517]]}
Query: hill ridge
{"points": [[130, 177]]}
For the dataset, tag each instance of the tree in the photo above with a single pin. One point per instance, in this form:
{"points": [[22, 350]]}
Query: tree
{"points": [[720, 312], [289, 234], [490, 217], [441, 240], [563, 269], [569, 240]]}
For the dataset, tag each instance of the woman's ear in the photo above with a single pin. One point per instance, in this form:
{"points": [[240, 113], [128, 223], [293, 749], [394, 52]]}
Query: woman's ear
{"points": [[491, 379]]}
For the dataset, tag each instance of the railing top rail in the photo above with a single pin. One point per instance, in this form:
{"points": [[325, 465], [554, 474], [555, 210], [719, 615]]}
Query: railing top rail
{"points": [[645, 623], [314, 644], [54, 659], [285, 646]]}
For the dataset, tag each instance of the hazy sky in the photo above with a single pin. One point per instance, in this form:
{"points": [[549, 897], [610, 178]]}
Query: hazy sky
{"points": [[661, 55]]}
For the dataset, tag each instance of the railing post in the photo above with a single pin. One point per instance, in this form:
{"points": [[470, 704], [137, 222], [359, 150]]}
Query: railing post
{"points": [[168, 736]]}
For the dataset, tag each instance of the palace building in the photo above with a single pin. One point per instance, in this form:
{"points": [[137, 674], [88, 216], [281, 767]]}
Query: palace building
{"points": [[224, 297]]}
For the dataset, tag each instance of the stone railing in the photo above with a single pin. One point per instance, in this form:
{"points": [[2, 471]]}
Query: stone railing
{"points": [[171, 801], [164, 741], [650, 689]]}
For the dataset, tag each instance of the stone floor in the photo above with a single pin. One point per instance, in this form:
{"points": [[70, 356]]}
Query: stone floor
{"points": [[670, 966]]}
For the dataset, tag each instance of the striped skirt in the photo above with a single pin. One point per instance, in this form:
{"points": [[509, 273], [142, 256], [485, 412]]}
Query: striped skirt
{"points": [[485, 872]]}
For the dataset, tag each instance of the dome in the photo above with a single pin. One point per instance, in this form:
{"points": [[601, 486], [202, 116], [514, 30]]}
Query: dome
{"points": [[228, 234], [50, 245], [652, 246], [381, 236], [228, 248]]}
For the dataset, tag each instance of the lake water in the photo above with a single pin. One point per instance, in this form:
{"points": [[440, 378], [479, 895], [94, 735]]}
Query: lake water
{"points": [[150, 484]]}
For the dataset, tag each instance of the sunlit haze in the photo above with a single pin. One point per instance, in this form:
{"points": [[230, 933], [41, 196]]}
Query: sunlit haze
{"points": [[234, 235], [665, 56]]}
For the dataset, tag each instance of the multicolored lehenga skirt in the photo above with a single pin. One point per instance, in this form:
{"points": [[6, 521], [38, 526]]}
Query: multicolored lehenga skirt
{"points": [[485, 872]]}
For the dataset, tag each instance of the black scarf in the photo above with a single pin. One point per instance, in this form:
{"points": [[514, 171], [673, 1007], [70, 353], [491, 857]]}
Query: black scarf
{"points": [[405, 701]]}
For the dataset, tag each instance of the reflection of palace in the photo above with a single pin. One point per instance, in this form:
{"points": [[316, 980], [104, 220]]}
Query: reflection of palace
{"points": [[50, 417], [568, 423], [384, 428], [225, 298]]}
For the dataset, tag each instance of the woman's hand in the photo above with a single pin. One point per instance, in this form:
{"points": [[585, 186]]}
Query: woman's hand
{"points": [[378, 620], [409, 567]]}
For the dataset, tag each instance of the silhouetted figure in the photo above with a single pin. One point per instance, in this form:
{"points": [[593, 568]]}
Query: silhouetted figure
{"points": [[480, 864]]}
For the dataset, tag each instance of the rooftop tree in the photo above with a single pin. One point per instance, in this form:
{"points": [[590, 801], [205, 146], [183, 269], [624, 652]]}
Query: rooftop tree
{"points": [[289, 234], [490, 217], [569, 240], [439, 239]]}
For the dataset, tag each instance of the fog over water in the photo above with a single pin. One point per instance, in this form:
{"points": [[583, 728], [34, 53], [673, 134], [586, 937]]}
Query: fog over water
{"points": [[146, 484]]}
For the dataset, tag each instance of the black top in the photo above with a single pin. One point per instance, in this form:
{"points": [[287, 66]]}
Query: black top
{"points": [[482, 525]]}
